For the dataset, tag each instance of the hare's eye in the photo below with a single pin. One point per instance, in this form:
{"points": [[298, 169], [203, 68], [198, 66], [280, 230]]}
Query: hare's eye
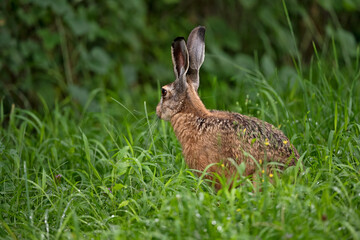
{"points": [[163, 92]]}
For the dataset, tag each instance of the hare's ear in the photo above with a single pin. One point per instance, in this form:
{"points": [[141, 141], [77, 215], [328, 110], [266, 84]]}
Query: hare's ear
{"points": [[180, 58], [196, 48]]}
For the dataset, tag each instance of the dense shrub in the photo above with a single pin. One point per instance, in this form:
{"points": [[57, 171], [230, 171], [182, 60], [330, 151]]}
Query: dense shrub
{"points": [[56, 48]]}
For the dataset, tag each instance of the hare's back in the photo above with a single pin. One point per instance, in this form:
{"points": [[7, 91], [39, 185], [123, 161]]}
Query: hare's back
{"points": [[256, 132]]}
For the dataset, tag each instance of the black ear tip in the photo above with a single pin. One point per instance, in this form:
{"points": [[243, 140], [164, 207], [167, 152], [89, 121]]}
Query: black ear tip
{"points": [[178, 39], [201, 32]]}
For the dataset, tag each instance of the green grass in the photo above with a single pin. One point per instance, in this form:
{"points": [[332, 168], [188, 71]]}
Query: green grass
{"points": [[118, 172]]}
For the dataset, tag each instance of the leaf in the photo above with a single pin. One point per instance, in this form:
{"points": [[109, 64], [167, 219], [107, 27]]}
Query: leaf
{"points": [[50, 39], [122, 167], [118, 186], [268, 65], [123, 203], [78, 24], [347, 42], [60, 7], [98, 60], [79, 94], [129, 73], [248, 4]]}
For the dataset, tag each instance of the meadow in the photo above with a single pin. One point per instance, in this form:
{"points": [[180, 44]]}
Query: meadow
{"points": [[99, 164], [119, 173]]}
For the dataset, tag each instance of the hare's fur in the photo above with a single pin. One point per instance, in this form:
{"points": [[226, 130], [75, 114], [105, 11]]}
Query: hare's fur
{"points": [[209, 137]]}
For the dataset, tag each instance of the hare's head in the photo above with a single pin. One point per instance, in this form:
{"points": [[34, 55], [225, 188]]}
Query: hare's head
{"points": [[187, 60]]}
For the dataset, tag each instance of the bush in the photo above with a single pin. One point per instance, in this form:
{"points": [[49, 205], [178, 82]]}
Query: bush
{"points": [[58, 48]]}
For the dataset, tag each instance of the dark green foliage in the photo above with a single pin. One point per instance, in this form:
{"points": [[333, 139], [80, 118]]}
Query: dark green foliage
{"points": [[57, 48]]}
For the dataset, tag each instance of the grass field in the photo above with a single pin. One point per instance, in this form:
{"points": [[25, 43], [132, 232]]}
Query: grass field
{"points": [[109, 169]]}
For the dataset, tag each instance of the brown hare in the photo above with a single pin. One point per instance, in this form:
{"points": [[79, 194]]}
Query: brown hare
{"points": [[211, 136]]}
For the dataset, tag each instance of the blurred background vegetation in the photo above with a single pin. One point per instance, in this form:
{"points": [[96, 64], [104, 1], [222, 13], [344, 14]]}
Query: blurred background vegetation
{"points": [[53, 50]]}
